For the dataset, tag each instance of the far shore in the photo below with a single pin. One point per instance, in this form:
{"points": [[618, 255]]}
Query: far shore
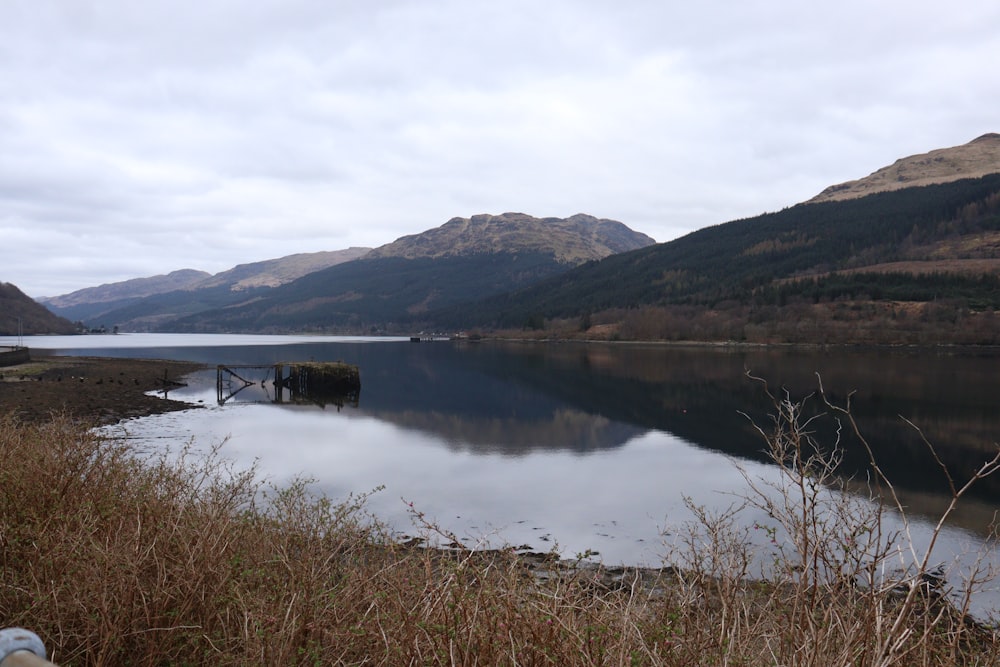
{"points": [[105, 390]]}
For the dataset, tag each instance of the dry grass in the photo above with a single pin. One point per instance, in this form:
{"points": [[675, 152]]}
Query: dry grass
{"points": [[115, 559]]}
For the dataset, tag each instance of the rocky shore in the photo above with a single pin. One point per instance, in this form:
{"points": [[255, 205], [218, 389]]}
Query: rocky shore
{"points": [[94, 390]]}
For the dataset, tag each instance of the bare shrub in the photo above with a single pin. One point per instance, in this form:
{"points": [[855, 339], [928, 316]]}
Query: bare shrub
{"points": [[839, 578]]}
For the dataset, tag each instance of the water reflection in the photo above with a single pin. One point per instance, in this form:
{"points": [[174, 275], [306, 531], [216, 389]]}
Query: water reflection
{"points": [[590, 446], [516, 398], [703, 395]]}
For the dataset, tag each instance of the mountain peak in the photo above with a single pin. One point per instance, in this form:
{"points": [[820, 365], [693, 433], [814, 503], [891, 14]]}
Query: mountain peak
{"points": [[979, 157], [989, 136], [572, 240]]}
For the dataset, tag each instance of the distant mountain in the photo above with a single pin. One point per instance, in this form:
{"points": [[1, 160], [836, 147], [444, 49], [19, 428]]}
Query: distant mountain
{"points": [[274, 272], [394, 286], [143, 303], [574, 240], [903, 264], [977, 158], [135, 288], [19, 309]]}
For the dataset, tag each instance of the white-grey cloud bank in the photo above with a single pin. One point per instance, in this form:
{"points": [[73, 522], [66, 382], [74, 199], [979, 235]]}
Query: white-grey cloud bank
{"points": [[139, 138]]}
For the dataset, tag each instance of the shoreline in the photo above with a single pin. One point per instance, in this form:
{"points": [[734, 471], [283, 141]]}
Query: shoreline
{"points": [[737, 345], [105, 390], [95, 390]]}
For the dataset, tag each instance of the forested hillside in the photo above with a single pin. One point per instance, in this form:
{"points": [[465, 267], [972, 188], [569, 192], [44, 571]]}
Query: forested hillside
{"points": [[934, 245], [389, 294], [19, 313]]}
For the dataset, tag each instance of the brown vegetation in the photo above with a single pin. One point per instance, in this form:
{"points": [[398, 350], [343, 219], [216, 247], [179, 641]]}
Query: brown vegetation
{"points": [[113, 558]]}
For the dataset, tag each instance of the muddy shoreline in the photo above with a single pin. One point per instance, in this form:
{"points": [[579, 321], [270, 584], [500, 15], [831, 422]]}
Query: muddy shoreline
{"points": [[92, 390]]}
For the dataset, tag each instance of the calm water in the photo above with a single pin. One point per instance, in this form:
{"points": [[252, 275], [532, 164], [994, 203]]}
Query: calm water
{"points": [[576, 446]]}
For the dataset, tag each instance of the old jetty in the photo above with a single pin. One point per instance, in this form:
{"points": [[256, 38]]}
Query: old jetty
{"points": [[318, 382], [318, 377]]}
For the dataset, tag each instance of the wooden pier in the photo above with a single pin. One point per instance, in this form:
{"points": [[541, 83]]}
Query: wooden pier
{"points": [[316, 382]]}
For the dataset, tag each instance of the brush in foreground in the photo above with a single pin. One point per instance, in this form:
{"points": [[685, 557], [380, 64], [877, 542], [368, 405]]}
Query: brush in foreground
{"points": [[117, 558]]}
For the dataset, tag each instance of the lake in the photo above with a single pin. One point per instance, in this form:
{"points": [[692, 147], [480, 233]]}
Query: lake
{"points": [[570, 446]]}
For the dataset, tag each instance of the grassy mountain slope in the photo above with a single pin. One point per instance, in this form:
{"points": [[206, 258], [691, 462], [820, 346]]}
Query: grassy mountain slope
{"points": [[34, 318], [127, 289], [977, 158], [274, 272]]}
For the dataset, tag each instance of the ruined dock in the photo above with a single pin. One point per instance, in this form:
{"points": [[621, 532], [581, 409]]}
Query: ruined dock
{"points": [[317, 382]]}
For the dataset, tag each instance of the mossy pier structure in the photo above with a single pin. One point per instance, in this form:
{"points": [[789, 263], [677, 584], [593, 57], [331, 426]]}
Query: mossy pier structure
{"points": [[317, 382], [318, 378]]}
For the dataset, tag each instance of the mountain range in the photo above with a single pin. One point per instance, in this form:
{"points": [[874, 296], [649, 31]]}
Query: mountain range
{"points": [[876, 264], [93, 306], [910, 250], [385, 289]]}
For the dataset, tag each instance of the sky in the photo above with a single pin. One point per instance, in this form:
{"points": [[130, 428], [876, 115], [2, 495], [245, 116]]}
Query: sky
{"points": [[138, 138]]}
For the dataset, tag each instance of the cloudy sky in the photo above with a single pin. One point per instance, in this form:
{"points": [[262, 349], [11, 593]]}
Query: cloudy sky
{"points": [[137, 138]]}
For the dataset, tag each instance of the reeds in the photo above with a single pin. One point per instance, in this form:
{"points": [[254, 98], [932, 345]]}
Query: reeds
{"points": [[115, 558]]}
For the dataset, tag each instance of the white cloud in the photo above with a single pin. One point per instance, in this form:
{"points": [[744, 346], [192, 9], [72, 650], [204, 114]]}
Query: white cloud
{"points": [[139, 138]]}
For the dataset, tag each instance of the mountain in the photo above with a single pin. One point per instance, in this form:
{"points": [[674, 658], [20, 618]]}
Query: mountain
{"points": [[19, 313], [394, 286], [128, 289], [574, 240], [977, 158], [91, 303], [274, 272], [913, 264], [909, 254], [143, 303]]}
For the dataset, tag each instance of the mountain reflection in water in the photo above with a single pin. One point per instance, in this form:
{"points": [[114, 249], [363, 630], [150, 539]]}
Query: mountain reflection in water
{"points": [[585, 435]]}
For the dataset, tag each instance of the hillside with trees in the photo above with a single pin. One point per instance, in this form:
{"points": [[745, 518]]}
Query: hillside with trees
{"points": [[910, 265], [19, 313]]}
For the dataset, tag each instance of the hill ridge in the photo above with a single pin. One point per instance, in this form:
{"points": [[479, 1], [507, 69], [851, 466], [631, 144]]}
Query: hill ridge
{"points": [[979, 157], [573, 240], [20, 314], [465, 258]]}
